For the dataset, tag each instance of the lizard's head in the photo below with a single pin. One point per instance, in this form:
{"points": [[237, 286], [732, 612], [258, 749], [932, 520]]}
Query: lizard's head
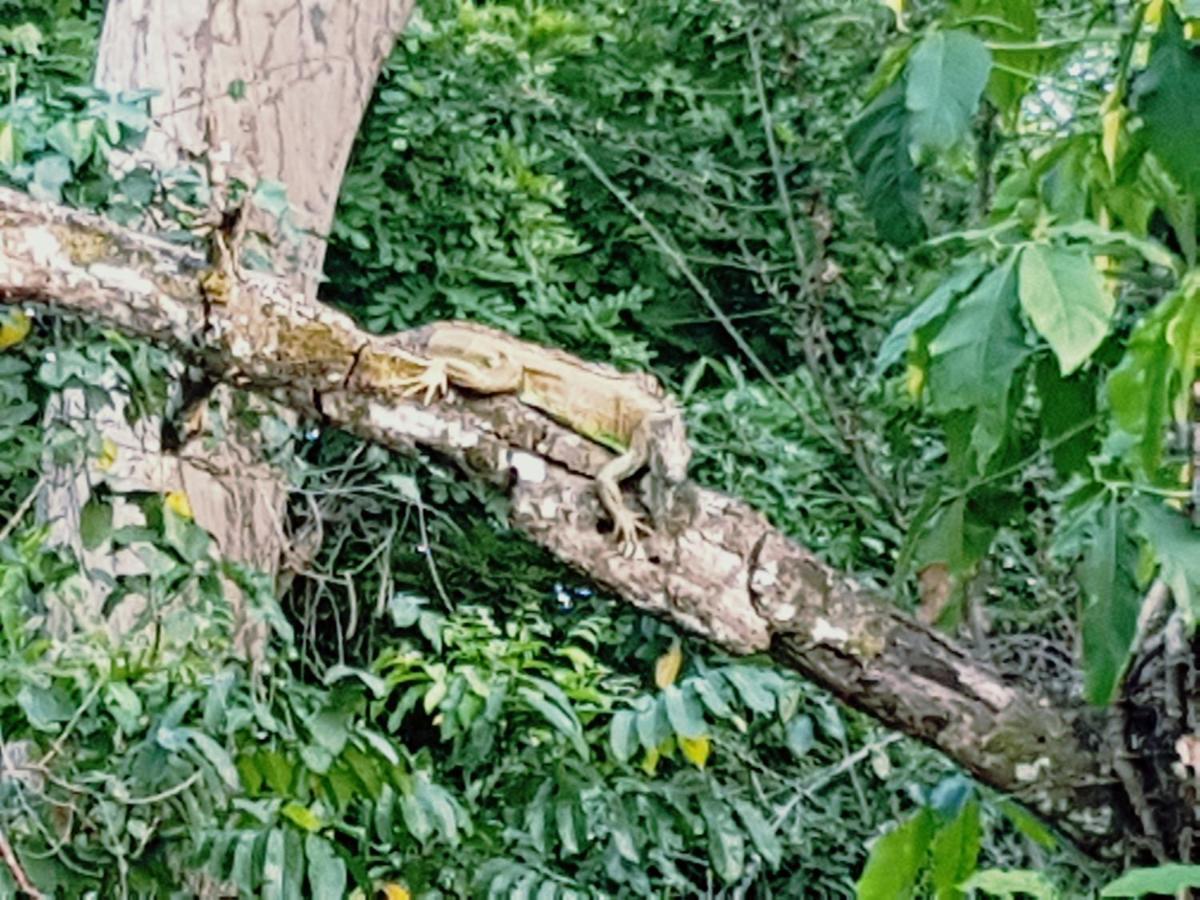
{"points": [[670, 496], [670, 451]]}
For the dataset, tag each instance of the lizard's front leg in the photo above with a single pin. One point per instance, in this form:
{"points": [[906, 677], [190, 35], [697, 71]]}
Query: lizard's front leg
{"points": [[626, 523], [432, 379]]}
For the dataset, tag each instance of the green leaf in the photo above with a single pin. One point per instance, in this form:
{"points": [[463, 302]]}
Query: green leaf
{"points": [[761, 834], [1175, 543], [1029, 825], [622, 736], [946, 75], [45, 707], [330, 729], [933, 306], [896, 860], [709, 689], [274, 866], [1168, 879], [563, 721], [1068, 405], [878, 140], [50, 173], [748, 682], [326, 870], [1111, 602], [684, 713], [1105, 240], [1010, 884], [976, 354], [1011, 22], [217, 757], [1165, 96], [799, 736], [95, 522], [954, 852], [1064, 297], [568, 822], [416, 816], [435, 799], [726, 846], [652, 725], [1152, 382]]}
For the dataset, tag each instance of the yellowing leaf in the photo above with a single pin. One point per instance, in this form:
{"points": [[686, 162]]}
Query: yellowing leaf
{"points": [[178, 503], [695, 750], [1153, 14], [1111, 134], [897, 7], [650, 761], [393, 890], [914, 380], [14, 328], [666, 667], [108, 455]]}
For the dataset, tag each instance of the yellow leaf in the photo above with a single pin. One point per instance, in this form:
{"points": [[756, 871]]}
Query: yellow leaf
{"points": [[897, 7], [914, 380], [178, 503], [695, 750], [650, 761], [1114, 116], [393, 890], [1154, 13], [666, 667], [108, 455], [14, 328]]}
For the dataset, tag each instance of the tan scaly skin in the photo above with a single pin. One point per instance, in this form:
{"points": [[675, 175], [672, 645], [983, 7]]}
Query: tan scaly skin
{"points": [[627, 413]]}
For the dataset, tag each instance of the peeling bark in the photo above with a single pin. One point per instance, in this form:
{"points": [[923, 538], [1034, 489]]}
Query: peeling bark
{"points": [[725, 574]]}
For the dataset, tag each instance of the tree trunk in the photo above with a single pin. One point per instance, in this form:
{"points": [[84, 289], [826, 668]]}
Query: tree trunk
{"points": [[270, 90]]}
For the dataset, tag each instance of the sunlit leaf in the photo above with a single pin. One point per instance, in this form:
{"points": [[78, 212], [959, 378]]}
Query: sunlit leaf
{"points": [[1166, 879], [896, 859], [1065, 298]]}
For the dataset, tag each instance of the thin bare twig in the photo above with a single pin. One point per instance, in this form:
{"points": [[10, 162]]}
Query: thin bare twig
{"points": [[20, 511], [14, 866]]}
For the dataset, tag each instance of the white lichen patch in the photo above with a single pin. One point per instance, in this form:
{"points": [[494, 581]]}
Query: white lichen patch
{"points": [[122, 279], [418, 424], [44, 247], [784, 612], [765, 576], [825, 632], [528, 466], [1029, 772]]}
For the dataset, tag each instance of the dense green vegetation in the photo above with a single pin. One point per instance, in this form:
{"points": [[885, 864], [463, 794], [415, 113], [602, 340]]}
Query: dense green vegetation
{"points": [[772, 211]]}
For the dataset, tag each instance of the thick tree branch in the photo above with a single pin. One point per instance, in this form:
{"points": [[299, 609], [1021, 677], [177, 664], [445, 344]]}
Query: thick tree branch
{"points": [[725, 574]]}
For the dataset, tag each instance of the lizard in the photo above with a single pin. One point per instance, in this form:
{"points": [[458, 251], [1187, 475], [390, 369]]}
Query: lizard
{"points": [[628, 413]]}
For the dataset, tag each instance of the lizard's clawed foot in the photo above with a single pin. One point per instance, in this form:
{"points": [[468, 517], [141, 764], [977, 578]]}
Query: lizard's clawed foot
{"points": [[628, 528], [433, 381]]}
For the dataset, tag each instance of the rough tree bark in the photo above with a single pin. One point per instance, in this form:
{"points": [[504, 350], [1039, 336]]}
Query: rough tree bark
{"points": [[271, 90], [727, 575]]}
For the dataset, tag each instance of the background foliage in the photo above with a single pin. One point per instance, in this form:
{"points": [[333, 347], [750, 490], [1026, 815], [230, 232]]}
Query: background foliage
{"points": [[676, 186]]}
